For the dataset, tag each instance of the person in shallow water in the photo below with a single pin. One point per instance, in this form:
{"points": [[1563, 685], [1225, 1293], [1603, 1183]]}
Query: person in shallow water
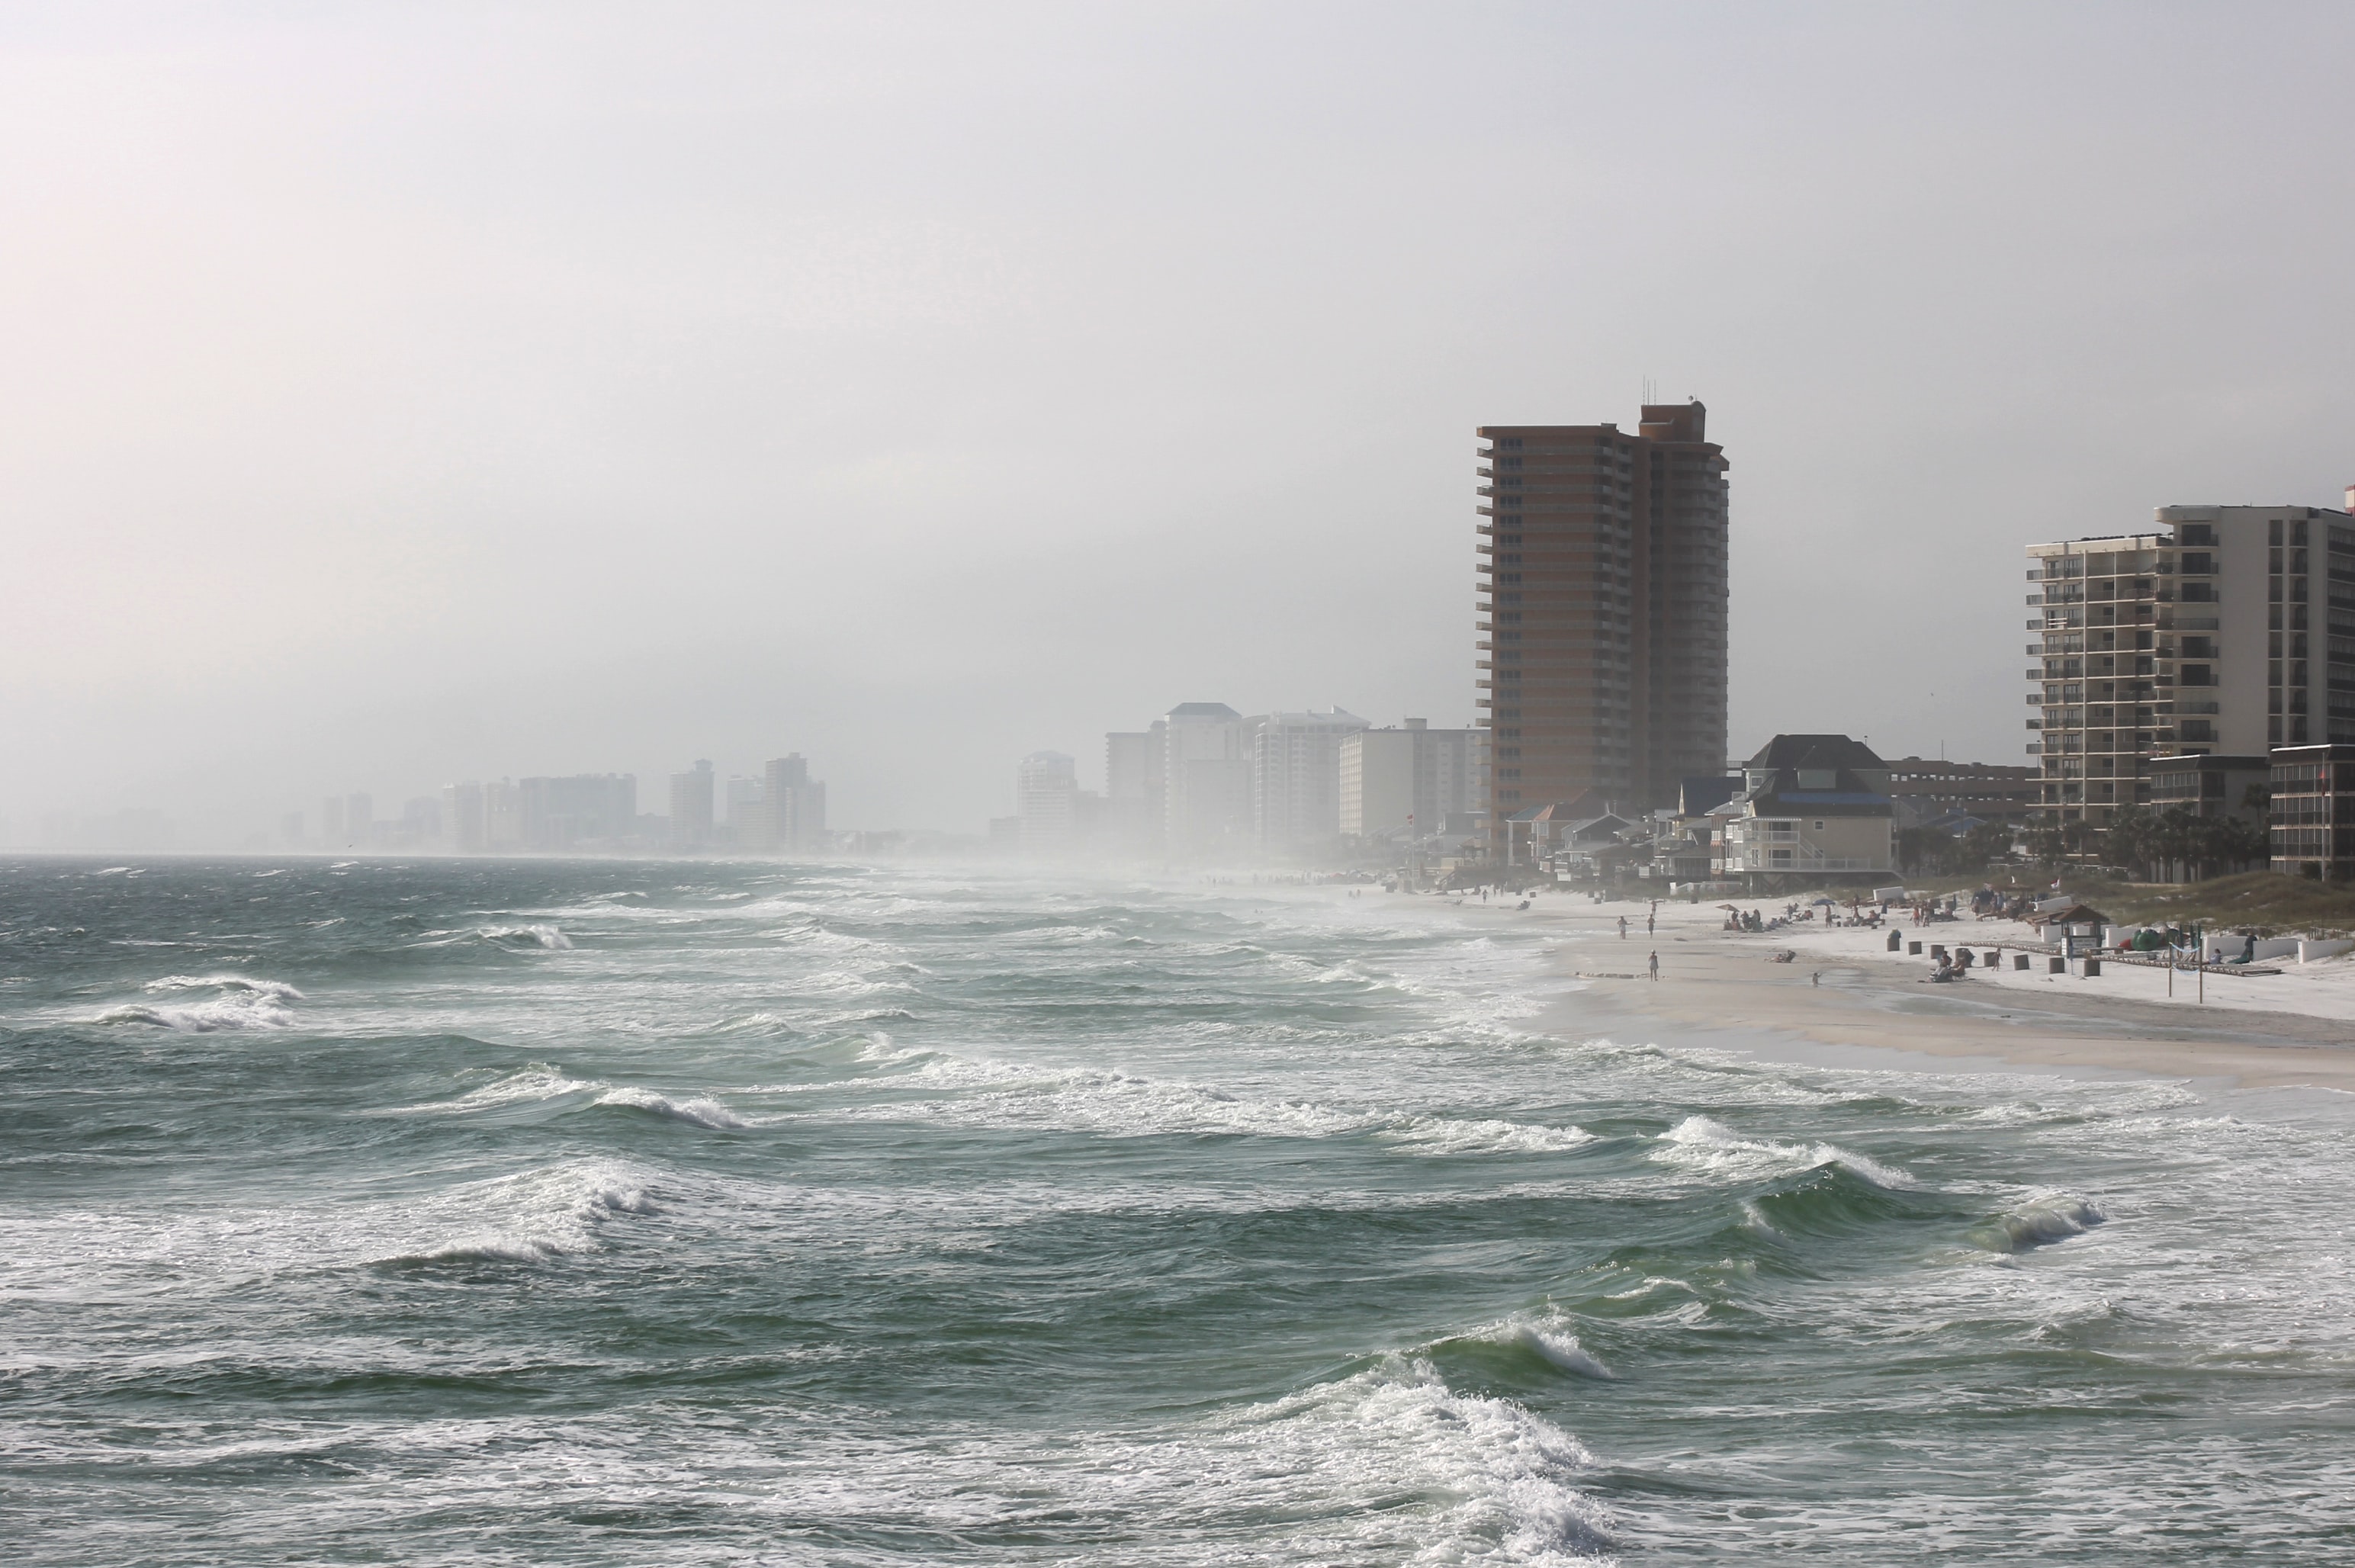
{"points": [[1656, 965], [1623, 928]]}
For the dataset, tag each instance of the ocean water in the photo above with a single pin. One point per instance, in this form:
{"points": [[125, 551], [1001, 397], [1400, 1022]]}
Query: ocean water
{"points": [[577, 1212]]}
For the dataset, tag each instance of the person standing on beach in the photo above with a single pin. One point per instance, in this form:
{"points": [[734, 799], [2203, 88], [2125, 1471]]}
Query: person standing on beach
{"points": [[1652, 922], [1656, 965], [1623, 928]]}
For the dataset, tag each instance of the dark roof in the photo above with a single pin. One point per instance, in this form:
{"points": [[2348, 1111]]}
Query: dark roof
{"points": [[1816, 751], [1203, 710]]}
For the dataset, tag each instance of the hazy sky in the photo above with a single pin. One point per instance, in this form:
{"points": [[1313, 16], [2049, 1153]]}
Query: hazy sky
{"points": [[396, 393]]}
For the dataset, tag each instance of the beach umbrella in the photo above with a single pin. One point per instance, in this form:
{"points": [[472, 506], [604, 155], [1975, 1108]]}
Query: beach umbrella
{"points": [[1735, 908], [1833, 904]]}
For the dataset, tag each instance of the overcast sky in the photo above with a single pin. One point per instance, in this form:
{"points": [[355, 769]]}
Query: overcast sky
{"points": [[397, 393]]}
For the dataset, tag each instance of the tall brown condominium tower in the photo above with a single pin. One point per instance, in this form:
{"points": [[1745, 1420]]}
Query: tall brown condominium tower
{"points": [[1603, 610]]}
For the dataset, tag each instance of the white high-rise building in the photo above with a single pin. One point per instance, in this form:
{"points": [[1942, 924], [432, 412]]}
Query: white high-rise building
{"points": [[1296, 776]]}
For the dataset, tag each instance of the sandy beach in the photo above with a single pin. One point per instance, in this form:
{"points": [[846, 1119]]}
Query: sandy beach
{"points": [[1844, 989]]}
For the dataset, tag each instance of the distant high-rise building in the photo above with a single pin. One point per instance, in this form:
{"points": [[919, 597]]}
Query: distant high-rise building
{"points": [[1413, 781], [421, 823], [1296, 776], [462, 817], [331, 822], [581, 811], [795, 805], [1134, 805], [1206, 778], [1046, 799], [359, 820], [502, 818], [290, 830], [690, 806], [748, 814], [1602, 561]]}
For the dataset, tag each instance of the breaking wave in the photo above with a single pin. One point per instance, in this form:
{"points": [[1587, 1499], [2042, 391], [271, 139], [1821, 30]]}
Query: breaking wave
{"points": [[542, 1081], [702, 1110], [546, 937], [1704, 1143], [2037, 1223], [241, 1004]]}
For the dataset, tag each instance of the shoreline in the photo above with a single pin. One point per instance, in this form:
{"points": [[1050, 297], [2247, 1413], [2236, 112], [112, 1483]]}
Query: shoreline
{"points": [[1715, 982]]}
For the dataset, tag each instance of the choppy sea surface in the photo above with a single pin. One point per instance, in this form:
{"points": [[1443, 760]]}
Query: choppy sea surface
{"points": [[574, 1212]]}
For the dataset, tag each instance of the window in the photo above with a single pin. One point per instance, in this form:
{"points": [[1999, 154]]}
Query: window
{"points": [[1819, 828], [1818, 778]]}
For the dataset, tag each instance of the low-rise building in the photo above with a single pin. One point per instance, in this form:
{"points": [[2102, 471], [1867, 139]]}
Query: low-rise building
{"points": [[1934, 790], [2312, 813], [1810, 806], [2212, 783]]}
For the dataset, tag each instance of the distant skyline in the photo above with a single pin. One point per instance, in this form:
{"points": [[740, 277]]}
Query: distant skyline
{"points": [[401, 395]]}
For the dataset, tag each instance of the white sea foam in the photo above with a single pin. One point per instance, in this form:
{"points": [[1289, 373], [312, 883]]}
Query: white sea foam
{"points": [[1704, 1143], [1003, 1094], [277, 988], [538, 1082], [1448, 1135], [541, 1082]]}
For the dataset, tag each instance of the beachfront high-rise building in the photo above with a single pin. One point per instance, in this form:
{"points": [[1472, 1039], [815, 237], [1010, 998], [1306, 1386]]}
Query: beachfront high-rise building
{"points": [[1603, 610], [2221, 630], [1414, 781], [1134, 760], [1045, 802], [1204, 777]]}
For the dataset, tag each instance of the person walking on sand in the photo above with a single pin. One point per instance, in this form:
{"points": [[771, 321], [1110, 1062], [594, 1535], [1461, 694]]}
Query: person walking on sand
{"points": [[1623, 928], [1656, 965], [1652, 922]]}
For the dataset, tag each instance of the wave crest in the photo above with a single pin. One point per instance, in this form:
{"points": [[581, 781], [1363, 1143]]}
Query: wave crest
{"points": [[2037, 1223], [545, 937], [241, 1004], [1704, 1143]]}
